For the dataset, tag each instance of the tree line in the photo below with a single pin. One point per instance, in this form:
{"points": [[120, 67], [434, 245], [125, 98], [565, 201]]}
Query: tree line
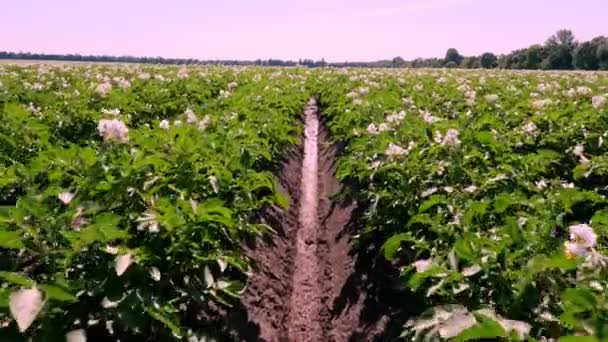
{"points": [[561, 51]]}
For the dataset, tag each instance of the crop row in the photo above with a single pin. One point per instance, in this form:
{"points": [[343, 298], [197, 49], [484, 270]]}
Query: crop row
{"points": [[487, 190], [127, 192]]}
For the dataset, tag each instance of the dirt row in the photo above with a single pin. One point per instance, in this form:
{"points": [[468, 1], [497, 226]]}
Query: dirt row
{"points": [[311, 283]]}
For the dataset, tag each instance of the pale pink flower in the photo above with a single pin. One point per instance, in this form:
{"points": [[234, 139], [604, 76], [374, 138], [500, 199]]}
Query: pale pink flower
{"points": [[598, 102], [113, 129], [66, 197], [190, 116], [395, 150], [451, 138], [372, 129], [422, 265], [103, 88], [428, 117], [583, 234]]}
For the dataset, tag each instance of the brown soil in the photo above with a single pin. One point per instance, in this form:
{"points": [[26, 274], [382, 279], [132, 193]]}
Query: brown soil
{"points": [[311, 283]]}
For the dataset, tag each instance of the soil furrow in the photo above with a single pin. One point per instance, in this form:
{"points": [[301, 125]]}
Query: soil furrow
{"points": [[310, 284]]}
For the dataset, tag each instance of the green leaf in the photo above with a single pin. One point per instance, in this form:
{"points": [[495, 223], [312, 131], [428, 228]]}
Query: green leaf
{"points": [[391, 245], [213, 210], [484, 137], [579, 299], [485, 328], [464, 248], [162, 317], [58, 293], [11, 240], [17, 279], [578, 339], [431, 202]]}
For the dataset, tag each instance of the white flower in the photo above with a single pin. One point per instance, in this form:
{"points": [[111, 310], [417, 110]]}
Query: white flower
{"points": [[164, 124], [567, 185], [204, 123], [422, 265], [214, 184], [579, 152], [182, 73], [583, 90], [583, 234], [25, 305], [108, 304], [395, 117], [451, 138], [428, 192], [155, 273], [521, 221], [148, 222], [352, 95], [113, 130], [470, 189], [177, 123], [78, 335], [530, 128], [541, 184], [395, 150], [438, 137], [448, 189], [540, 104], [491, 98], [190, 116], [112, 250], [66, 197], [598, 102], [383, 127], [113, 112], [103, 88], [143, 76], [363, 91], [471, 270], [122, 263], [418, 87]]}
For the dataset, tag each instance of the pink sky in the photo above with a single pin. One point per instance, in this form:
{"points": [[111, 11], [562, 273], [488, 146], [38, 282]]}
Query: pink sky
{"points": [[336, 30]]}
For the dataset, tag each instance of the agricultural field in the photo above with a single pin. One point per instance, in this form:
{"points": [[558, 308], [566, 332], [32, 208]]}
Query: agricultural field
{"points": [[148, 203]]}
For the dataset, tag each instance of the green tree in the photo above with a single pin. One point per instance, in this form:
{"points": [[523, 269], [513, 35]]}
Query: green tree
{"points": [[471, 62], [561, 38], [488, 60], [534, 57], [398, 62], [585, 56], [452, 55], [560, 47], [602, 55]]}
